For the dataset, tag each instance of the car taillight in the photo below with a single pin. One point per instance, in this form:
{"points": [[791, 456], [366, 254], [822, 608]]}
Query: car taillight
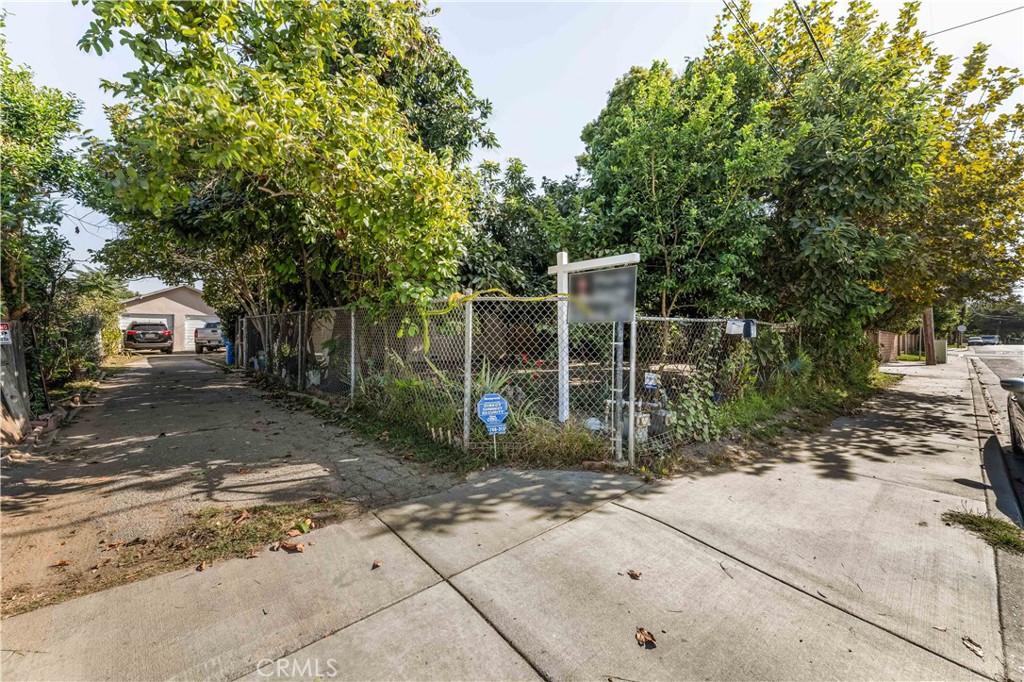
{"points": [[166, 332], [196, 335], [132, 332]]}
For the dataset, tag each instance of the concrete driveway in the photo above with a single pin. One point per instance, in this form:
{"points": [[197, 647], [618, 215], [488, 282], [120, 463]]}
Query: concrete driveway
{"points": [[829, 561], [169, 436]]}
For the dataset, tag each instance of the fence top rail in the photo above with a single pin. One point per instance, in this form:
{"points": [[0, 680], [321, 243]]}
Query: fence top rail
{"points": [[645, 318]]}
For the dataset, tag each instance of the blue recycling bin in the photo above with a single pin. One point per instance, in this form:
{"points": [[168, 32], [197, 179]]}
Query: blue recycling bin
{"points": [[230, 352]]}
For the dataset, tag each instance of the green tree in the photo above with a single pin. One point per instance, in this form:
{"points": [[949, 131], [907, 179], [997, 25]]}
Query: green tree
{"points": [[678, 169], [258, 135], [966, 239], [516, 230], [864, 139], [35, 125]]}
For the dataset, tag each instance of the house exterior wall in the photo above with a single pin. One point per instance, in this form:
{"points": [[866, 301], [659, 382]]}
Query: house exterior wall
{"points": [[178, 302]]}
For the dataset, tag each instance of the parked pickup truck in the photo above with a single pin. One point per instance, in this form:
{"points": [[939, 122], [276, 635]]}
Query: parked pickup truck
{"points": [[208, 337]]}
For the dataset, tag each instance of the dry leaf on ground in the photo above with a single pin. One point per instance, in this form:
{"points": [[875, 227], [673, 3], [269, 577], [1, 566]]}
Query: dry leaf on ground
{"points": [[62, 563], [376, 564], [293, 533], [635, 575], [243, 516], [645, 639], [973, 646], [276, 546], [243, 470], [201, 567], [292, 547]]}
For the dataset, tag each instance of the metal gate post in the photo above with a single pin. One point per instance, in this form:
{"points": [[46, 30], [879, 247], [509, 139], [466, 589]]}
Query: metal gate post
{"points": [[632, 392], [467, 373], [562, 287], [352, 353], [620, 333]]}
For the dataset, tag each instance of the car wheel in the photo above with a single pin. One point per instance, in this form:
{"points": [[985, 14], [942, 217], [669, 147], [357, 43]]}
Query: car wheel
{"points": [[167, 351], [199, 349]]}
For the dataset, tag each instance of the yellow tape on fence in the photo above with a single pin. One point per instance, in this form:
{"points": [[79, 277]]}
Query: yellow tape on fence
{"points": [[457, 299]]}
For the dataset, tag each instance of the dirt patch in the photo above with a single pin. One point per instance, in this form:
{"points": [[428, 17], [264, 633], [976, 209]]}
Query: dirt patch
{"points": [[213, 534]]}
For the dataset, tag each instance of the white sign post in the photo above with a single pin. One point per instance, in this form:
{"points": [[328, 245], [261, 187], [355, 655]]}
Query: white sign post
{"points": [[561, 270]]}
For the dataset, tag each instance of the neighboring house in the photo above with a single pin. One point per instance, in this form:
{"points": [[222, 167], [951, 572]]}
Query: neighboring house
{"points": [[181, 308]]}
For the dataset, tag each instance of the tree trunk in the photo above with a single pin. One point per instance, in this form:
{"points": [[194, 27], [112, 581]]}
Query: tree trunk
{"points": [[929, 336]]}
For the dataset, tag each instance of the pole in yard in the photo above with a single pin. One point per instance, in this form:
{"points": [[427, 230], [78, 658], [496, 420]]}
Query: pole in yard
{"points": [[562, 287], [632, 392], [467, 373], [352, 353], [620, 334]]}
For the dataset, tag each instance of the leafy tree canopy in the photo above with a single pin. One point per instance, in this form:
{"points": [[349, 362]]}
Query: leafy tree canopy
{"points": [[677, 171], [258, 134], [35, 124]]}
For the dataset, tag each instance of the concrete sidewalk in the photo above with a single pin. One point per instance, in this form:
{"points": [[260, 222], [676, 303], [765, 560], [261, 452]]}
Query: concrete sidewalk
{"points": [[828, 562]]}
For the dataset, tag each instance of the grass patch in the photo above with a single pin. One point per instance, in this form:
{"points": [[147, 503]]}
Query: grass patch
{"points": [[69, 389], [910, 357], [555, 446], [998, 533], [765, 414], [214, 533]]}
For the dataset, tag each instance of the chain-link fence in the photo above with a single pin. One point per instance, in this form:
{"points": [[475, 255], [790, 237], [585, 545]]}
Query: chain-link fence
{"points": [[686, 368], [429, 372]]}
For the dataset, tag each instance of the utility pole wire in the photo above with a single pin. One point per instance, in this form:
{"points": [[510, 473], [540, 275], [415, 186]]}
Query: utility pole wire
{"points": [[991, 16], [807, 27], [753, 40]]}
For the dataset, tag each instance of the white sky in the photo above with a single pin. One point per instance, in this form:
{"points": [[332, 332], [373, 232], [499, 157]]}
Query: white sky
{"points": [[546, 66]]}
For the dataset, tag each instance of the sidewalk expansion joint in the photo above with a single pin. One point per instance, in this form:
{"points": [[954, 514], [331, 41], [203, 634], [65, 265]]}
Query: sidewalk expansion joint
{"points": [[806, 592], [448, 582], [344, 627]]}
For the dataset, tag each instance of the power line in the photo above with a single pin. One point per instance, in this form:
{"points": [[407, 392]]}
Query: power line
{"points": [[992, 16], [753, 40], [810, 33]]}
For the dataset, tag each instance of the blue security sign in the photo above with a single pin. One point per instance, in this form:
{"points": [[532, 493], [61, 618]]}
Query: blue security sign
{"points": [[492, 410], [497, 429]]}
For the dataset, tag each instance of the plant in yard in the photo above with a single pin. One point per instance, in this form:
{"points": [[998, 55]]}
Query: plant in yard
{"points": [[695, 408]]}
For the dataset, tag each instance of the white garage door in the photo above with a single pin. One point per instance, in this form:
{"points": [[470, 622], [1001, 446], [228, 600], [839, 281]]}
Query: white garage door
{"points": [[128, 318], [194, 322]]}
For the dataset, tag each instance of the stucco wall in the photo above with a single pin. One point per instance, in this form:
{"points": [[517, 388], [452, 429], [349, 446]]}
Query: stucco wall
{"points": [[179, 302]]}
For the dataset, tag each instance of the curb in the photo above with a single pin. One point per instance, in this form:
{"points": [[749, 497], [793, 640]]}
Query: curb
{"points": [[214, 363], [1003, 471]]}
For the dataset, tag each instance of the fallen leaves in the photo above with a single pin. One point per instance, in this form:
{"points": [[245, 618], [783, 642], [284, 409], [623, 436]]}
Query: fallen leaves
{"points": [[635, 575], [293, 547], [61, 564], [243, 470], [294, 532], [645, 639], [243, 516], [376, 564], [973, 646], [201, 567]]}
